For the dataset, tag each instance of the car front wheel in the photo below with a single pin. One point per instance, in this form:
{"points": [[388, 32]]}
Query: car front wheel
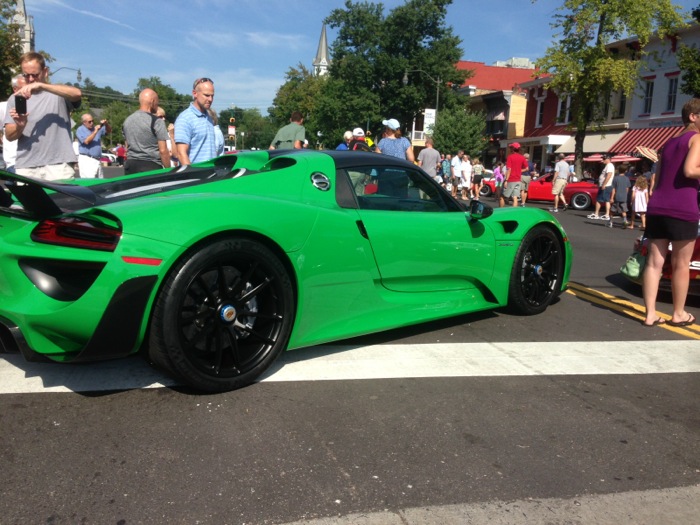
{"points": [[485, 191], [223, 315], [580, 201], [537, 273]]}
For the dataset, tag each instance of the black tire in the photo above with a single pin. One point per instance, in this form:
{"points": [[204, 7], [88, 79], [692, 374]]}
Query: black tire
{"points": [[537, 273], [580, 201], [223, 315], [485, 191]]}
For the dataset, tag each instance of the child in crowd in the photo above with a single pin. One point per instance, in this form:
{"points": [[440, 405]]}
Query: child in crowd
{"points": [[620, 187], [640, 197], [498, 177]]}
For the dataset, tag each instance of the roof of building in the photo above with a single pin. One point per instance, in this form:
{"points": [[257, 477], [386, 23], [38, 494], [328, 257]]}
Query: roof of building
{"points": [[495, 78]]}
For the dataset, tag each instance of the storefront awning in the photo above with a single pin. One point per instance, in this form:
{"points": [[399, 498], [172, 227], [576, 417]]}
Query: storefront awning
{"points": [[593, 142], [653, 138]]}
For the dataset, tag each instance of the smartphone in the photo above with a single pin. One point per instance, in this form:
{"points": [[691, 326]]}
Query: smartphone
{"points": [[20, 105]]}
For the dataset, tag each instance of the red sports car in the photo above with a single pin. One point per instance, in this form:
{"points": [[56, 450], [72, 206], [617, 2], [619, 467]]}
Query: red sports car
{"points": [[640, 245], [579, 195]]}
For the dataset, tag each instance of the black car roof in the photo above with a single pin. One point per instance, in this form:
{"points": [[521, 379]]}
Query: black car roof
{"points": [[345, 159]]}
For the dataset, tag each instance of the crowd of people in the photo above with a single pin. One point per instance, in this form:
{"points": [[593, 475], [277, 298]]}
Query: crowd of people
{"points": [[38, 138]]}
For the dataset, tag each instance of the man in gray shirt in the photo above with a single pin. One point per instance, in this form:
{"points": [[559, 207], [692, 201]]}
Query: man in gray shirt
{"points": [[146, 137], [43, 132], [429, 158]]}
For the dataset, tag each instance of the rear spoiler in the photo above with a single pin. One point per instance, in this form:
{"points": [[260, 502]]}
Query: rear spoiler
{"points": [[39, 199]]}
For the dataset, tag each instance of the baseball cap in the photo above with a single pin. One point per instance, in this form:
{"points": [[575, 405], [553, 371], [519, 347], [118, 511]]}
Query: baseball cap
{"points": [[357, 132], [392, 123], [515, 145]]}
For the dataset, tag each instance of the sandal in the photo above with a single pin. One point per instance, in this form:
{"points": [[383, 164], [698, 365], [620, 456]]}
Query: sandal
{"points": [[655, 323], [687, 322], [592, 216]]}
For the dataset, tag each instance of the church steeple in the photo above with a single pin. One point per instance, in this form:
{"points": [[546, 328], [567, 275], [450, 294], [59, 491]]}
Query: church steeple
{"points": [[26, 27], [322, 62]]}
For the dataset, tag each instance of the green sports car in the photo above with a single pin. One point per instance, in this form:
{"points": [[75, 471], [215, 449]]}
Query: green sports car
{"points": [[213, 270]]}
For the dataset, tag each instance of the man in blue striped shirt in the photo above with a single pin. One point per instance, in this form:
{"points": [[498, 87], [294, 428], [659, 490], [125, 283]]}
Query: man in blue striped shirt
{"points": [[194, 129]]}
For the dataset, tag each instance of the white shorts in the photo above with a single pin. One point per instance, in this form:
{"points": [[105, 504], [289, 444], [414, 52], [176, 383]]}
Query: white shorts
{"points": [[89, 167], [51, 172]]}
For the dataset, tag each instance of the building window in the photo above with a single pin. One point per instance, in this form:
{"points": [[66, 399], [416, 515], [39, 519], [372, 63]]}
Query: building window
{"points": [[672, 93], [619, 105], [564, 112], [540, 112], [648, 97], [622, 105]]}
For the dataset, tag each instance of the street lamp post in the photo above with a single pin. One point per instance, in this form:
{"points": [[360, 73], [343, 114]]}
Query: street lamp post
{"points": [[79, 76], [436, 82]]}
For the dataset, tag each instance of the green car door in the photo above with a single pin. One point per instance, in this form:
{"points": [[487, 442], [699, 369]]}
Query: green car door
{"points": [[421, 240]]}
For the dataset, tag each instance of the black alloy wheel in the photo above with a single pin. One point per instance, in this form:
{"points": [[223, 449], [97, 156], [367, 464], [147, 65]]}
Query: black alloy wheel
{"points": [[537, 273], [580, 201], [223, 315]]}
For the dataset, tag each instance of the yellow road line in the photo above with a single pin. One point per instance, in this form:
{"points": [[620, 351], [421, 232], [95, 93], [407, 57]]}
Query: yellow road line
{"points": [[634, 310]]}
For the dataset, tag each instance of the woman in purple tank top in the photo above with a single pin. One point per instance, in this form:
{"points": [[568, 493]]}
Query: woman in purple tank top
{"points": [[672, 217]]}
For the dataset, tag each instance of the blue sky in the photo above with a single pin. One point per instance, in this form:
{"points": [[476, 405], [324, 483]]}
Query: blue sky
{"points": [[247, 46]]}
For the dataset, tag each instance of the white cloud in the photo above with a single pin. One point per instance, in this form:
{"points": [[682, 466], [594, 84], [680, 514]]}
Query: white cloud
{"points": [[275, 40], [104, 18], [145, 49]]}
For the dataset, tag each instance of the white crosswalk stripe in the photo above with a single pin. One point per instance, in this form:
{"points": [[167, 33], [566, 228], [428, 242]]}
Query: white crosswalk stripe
{"points": [[380, 361]]}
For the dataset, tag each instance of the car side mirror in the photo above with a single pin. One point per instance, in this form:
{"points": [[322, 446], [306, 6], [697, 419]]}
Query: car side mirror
{"points": [[479, 210]]}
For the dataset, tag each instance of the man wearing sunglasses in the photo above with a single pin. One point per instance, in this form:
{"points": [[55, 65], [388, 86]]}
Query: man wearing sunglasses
{"points": [[89, 137], [194, 128], [43, 132]]}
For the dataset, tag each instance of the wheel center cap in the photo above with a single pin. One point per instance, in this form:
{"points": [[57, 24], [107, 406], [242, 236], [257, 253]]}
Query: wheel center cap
{"points": [[228, 313], [538, 270]]}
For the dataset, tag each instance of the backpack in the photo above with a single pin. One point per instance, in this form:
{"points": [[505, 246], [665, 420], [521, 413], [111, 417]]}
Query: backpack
{"points": [[358, 145]]}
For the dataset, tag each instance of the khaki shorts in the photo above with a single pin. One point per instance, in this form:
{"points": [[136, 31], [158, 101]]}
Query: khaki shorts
{"points": [[525, 182], [558, 186], [512, 189], [50, 172]]}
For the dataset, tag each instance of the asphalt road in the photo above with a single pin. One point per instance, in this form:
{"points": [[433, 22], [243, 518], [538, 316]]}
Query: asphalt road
{"points": [[578, 415]]}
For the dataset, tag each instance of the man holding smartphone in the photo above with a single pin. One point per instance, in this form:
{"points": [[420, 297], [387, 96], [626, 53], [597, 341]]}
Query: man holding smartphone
{"points": [[89, 137], [43, 132]]}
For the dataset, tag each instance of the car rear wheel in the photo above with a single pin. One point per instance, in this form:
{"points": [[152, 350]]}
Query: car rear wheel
{"points": [[580, 201], [485, 190], [223, 315], [537, 273]]}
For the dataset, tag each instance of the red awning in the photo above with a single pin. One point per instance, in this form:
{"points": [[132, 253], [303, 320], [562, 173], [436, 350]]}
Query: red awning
{"points": [[653, 138]]}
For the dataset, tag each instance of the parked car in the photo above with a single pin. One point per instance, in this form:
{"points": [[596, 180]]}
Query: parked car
{"points": [[109, 158], [214, 269], [640, 246], [580, 195]]}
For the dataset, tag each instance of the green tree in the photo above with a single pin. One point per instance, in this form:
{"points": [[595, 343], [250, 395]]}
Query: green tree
{"points": [[101, 97], [370, 57], [582, 67], [170, 100], [252, 129], [116, 112], [10, 47], [689, 62], [460, 129]]}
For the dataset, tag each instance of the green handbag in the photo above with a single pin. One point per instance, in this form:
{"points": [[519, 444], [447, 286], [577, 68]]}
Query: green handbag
{"points": [[633, 268]]}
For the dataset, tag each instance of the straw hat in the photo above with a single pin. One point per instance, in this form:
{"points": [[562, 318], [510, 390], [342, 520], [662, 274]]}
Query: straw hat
{"points": [[648, 153]]}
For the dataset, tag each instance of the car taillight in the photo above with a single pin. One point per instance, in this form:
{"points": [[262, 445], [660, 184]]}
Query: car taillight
{"points": [[76, 233]]}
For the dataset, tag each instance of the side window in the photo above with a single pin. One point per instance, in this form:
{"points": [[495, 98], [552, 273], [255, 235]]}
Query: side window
{"points": [[395, 189]]}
